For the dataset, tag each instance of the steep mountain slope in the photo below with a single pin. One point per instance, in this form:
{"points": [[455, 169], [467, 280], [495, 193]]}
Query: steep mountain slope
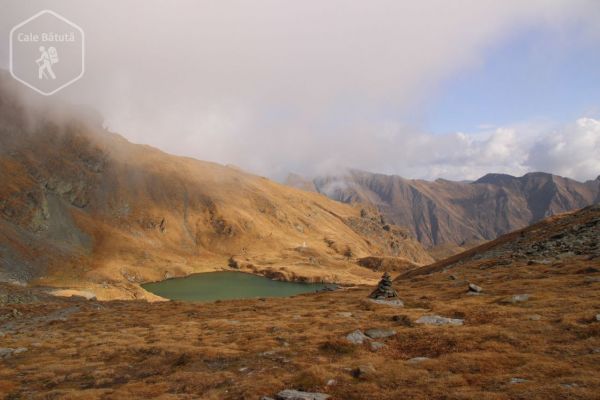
{"points": [[81, 207], [461, 213]]}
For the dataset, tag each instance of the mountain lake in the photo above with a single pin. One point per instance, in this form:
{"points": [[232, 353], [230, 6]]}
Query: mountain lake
{"points": [[228, 285]]}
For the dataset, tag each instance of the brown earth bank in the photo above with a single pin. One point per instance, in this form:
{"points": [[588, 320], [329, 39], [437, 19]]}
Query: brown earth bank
{"points": [[449, 216], [83, 209], [514, 319]]}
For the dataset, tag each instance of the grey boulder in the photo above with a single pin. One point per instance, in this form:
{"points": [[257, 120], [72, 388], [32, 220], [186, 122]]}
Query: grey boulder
{"points": [[416, 360], [473, 288], [356, 337], [437, 320], [376, 346], [298, 395], [519, 298], [375, 333], [392, 303]]}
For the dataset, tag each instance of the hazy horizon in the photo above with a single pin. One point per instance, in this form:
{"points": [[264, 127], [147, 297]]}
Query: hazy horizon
{"points": [[422, 90]]}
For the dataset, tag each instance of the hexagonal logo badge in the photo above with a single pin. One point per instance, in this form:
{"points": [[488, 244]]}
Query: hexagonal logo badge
{"points": [[47, 52]]}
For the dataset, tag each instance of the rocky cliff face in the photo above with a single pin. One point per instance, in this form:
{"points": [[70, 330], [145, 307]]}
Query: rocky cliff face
{"points": [[82, 207], [458, 213]]}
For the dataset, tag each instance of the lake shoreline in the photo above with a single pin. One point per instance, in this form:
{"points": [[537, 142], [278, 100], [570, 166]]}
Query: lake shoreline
{"points": [[230, 285]]}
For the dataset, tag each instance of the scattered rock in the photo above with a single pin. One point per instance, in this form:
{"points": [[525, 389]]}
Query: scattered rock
{"points": [[517, 380], [331, 382], [416, 360], [597, 317], [356, 337], [375, 333], [403, 320], [344, 314], [534, 317], [519, 298], [298, 395], [375, 346], [393, 303], [7, 352], [569, 385], [473, 288], [384, 289], [437, 320]]}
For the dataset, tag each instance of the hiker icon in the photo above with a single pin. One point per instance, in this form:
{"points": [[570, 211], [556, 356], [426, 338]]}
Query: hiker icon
{"points": [[45, 62]]}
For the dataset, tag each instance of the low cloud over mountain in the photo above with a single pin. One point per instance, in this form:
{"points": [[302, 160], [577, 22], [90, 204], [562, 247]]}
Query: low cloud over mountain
{"points": [[311, 86]]}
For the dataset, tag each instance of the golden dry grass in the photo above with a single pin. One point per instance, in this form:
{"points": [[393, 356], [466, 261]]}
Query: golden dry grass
{"points": [[87, 210], [246, 349]]}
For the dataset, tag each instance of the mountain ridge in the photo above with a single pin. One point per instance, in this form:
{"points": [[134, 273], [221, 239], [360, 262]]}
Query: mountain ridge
{"points": [[83, 208], [443, 212]]}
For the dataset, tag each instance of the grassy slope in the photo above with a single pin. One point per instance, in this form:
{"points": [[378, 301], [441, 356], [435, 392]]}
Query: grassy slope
{"points": [[107, 214], [246, 349]]}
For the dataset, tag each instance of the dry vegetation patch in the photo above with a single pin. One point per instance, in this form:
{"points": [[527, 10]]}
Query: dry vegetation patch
{"points": [[547, 347]]}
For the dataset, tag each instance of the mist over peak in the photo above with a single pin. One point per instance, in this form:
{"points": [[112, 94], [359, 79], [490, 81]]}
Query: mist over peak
{"points": [[314, 87]]}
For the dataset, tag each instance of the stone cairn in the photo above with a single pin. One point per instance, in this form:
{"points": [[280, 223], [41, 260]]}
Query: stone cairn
{"points": [[384, 289]]}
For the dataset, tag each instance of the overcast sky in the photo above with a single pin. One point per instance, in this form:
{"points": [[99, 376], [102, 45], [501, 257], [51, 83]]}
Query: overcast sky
{"points": [[422, 89]]}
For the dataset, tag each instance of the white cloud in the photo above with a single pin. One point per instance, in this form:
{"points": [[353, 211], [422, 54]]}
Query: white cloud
{"points": [[277, 86], [571, 151]]}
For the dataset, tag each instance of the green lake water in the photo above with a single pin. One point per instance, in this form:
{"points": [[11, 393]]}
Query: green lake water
{"points": [[227, 285]]}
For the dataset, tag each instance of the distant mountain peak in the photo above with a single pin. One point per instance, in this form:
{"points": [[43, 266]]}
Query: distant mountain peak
{"points": [[496, 179], [504, 179], [446, 212]]}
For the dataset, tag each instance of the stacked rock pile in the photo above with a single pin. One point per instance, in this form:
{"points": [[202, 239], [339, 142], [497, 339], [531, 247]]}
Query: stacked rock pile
{"points": [[384, 289]]}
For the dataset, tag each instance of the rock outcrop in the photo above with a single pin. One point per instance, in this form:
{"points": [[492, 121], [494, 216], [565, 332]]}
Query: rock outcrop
{"points": [[437, 320]]}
